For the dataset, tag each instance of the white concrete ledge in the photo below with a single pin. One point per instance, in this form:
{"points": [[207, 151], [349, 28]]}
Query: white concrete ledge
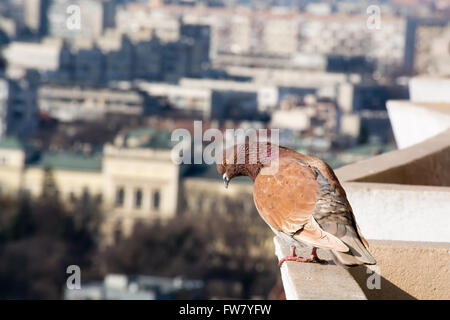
{"points": [[312, 281], [425, 163], [400, 212], [414, 122]]}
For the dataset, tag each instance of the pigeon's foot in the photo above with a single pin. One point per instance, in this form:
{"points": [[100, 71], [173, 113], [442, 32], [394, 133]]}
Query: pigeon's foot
{"points": [[287, 258], [313, 257], [293, 257]]}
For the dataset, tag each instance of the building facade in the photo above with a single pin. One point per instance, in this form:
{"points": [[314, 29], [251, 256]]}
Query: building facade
{"points": [[284, 33], [70, 103], [134, 177]]}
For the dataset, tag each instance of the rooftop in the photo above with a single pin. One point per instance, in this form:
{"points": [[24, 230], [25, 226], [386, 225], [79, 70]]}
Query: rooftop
{"points": [[12, 143], [69, 161], [146, 138]]}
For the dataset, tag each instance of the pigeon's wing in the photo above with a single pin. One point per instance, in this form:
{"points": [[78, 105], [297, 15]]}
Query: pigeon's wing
{"points": [[334, 215], [287, 200], [340, 196]]}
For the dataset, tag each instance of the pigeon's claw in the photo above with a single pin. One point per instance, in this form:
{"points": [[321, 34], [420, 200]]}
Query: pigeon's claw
{"points": [[313, 257], [293, 257], [287, 258]]}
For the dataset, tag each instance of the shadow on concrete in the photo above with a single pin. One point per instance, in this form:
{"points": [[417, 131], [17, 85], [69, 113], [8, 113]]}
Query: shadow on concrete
{"points": [[388, 290]]}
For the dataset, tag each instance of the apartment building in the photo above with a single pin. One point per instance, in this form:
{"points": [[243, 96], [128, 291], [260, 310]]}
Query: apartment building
{"points": [[242, 31], [113, 56], [432, 53], [51, 57], [70, 103]]}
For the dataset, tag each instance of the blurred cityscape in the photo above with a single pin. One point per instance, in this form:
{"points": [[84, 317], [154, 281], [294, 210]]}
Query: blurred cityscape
{"points": [[91, 90]]}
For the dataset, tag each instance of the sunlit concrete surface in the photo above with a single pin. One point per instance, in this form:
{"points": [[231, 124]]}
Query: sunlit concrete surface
{"points": [[310, 281], [414, 122], [408, 270], [405, 270], [401, 212]]}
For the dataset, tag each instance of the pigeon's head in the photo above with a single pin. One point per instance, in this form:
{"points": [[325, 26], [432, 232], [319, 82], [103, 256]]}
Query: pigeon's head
{"points": [[243, 160], [228, 167]]}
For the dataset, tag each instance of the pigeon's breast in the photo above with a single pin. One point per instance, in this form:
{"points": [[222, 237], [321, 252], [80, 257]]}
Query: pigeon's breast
{"points": [[285, 199]]}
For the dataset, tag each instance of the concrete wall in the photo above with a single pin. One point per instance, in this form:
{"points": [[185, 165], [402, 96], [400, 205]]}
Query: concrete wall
{"points": [[397, 212], [404, 194], [415, 122], [426, 163]]}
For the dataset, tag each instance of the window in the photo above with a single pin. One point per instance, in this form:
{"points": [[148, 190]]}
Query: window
{"points": [[120, 196], [138, 198], [85, 193], [156, 200]]}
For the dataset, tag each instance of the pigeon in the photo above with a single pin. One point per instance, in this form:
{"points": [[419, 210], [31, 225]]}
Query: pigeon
{"points": [[301, 199]]}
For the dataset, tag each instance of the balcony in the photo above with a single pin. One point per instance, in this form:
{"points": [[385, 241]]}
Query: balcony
{"points": [[401, 202]]}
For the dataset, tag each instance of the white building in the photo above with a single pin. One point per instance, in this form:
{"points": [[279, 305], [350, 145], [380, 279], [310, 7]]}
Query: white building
{"points": [[35, 15], [432, 54], [70, 103], [51, 57], [135, 17], [293, 78], [80, 18], [296, 120]]}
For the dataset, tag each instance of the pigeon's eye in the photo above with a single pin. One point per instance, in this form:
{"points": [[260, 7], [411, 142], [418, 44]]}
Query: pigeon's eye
{"points": [[225, 163]]}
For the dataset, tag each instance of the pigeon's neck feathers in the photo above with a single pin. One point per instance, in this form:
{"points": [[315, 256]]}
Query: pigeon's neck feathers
{"points": [[256, 157]]}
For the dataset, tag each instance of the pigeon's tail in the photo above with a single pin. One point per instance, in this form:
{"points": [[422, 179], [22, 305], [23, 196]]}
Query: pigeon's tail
{"points": [[349, 260], [358, 253]]}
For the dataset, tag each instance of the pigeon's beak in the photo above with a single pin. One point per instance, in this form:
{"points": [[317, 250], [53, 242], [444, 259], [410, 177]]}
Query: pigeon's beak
{"points": [[225, 180]]}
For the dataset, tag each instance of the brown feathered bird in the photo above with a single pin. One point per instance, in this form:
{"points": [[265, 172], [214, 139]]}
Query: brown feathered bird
{"points": [[301, 199]]}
